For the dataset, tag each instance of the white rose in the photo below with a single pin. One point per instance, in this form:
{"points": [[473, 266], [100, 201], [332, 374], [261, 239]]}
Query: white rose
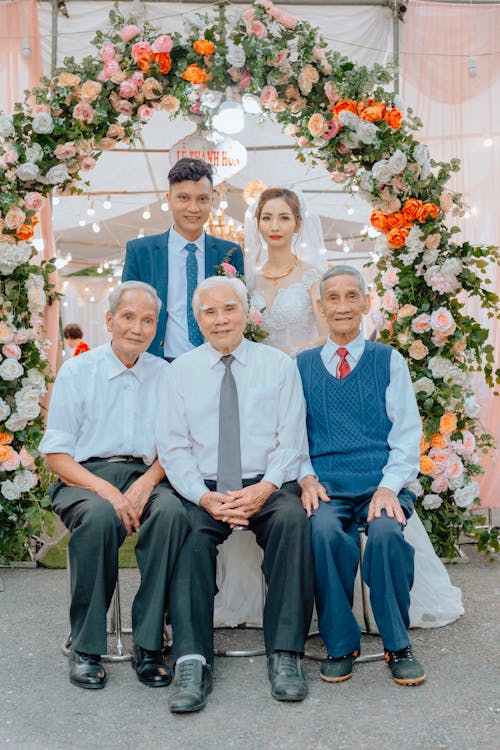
{"points": [[421, 154], [367, 132], [28, 403], [471, 407], [36, 380], [15, 423], [348, 119], [414, 239], [456, 376], [6, 125], [381, 171], [431, 502], [350, 139], [465, 496], [452, 266], [9, 490], [4, 410], [7, 263], [430, 256], [36, 299], [211, 99], [43, 123], [398, 162], [439, 366], [34, 152], [28, 171], [22, 252], [424, 384], [24, 481], [56, 174], [425, 171], [10, 369], [416, 488], [365, 180], [235, 55]]}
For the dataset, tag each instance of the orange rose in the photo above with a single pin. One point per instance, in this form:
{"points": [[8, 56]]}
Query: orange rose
{"points": [[194, 74], [418, 350], [25, 232], [393, 118], [379, 220], [395, 220], [90, 90], [349, 104], [164, 60], [427, 465], [447, 423], [6, 438], [438, 440], [424, 445], [204, 47], [5, 453], [411, 208], [143, 61], [68, 79], [363, 104], [397, 237], [316, 124], [425, 210], [375, 113]]}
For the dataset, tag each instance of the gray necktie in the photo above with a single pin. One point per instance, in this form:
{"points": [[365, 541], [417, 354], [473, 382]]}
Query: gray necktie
{"points": [[229, 455]]}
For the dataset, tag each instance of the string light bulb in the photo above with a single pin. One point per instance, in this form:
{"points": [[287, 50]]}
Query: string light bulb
{"points": [[107, 203], [146, 214]]}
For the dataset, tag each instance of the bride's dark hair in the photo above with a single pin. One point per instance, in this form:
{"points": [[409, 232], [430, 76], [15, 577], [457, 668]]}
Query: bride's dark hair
{"points": [[288, 195]]}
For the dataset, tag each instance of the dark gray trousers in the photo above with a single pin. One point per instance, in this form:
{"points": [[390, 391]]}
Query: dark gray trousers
{"points": [[283, 531], [96, 535]]}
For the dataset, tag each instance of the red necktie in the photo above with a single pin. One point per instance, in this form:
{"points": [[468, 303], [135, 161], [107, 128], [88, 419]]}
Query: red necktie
{"points": [[343, 367]]}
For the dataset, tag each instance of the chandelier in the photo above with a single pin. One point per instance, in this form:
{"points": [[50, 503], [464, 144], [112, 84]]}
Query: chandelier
{"points": [[221, 226]]}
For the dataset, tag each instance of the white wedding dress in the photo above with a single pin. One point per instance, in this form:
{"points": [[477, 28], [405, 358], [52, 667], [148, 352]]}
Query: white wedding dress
{"points": [[434, 602]]}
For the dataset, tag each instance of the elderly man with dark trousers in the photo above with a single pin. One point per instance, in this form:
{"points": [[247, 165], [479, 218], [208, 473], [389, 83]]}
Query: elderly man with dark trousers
{"points": [[100, 443], [231, 429], [364, 436], [176, 261]]}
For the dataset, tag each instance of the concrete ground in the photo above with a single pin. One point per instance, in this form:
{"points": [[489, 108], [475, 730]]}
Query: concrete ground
{"points": [[458, 708]]}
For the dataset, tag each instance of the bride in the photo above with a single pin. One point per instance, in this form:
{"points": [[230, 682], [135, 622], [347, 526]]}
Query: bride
{"points": [[284, 260]]}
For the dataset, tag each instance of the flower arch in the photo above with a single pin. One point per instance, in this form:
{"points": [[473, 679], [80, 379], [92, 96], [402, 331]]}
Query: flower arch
{"points": [[339, 115]]}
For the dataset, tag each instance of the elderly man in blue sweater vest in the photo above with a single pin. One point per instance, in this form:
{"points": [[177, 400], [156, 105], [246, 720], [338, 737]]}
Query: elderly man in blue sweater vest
{"points": [[364, 436]]}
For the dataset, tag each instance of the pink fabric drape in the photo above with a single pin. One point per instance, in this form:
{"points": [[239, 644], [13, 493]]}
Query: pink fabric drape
{"points": [[450, 65], [21, 69]]}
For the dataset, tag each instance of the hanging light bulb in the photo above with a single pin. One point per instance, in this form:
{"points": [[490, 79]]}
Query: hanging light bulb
{"points": [[107, 203], [146, 214], [140, 233], [100, 269], [339, 239], [55, 200], [81, 221], [223, 204], [230, 117], [488, 142], [164, 206], [350, 210], [91, 209], [96, 227], [105, 264]]}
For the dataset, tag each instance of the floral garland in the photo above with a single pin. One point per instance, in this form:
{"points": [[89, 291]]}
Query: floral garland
{"points": [[338, 115]]}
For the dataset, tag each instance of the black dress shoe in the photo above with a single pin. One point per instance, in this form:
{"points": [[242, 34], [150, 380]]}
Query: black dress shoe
{"points": [[285, 673], [192, 684], [86, 670], [150, 667]]}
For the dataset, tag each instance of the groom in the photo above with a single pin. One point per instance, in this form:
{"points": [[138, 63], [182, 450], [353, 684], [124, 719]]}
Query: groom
{"points": [[176, 261], [364, 439]]}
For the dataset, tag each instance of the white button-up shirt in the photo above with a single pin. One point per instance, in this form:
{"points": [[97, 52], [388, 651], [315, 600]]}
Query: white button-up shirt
{"points": [[176, 335], [271, 410], [401, 406], [101, 408]]}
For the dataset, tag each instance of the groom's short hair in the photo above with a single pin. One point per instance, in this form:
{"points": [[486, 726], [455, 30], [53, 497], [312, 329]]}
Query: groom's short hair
{"points": [[190, 169], [342, 271]]}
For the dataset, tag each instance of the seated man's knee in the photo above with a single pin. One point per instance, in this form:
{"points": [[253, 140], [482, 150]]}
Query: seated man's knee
{"points": [[384, 529], [169, 510], [99, 514]]}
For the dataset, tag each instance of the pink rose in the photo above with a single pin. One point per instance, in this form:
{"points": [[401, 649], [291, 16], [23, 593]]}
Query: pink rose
{"points": [[379, 321], [137, 78], [440, 458], [128, 89], [235, 73], [331, 92], [124, 107], [26, 458], [291, 130], [441, 320], [229, 270], [102, 77], [257, 318], [140, 49], [129, 32], [245, 79], [163, 44], [144, 112], [285, 19], [34, 201], [110, 68], [107, 53], [303, 142], [83, 112], [12, 462], [454, 467], [421, 323], [338, 177], [12, 350], [257, 28], [390, 278], [65, 150], [390, 301], [469, 441], [280, 58], [418, 350], [268, 96], [23, 335], [332, 128], [10, 157], [440, 483], [249, 15], [87, 163]]}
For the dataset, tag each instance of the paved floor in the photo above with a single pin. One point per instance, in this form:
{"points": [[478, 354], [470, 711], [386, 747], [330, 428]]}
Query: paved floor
{"points": [[458, 708]]}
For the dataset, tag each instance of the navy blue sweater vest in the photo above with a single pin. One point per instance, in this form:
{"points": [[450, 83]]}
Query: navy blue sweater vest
{"points": [[347, 422]]}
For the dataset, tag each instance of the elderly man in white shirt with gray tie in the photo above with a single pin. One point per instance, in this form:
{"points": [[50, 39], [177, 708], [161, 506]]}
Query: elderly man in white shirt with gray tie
{"points": [[100, 443], [231, 435]]}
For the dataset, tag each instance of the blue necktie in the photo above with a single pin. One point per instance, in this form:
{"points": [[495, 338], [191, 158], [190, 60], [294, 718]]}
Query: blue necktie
{"points": [[194, 333]]}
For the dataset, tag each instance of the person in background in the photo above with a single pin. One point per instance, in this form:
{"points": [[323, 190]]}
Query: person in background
{"points": [[73, 335]]}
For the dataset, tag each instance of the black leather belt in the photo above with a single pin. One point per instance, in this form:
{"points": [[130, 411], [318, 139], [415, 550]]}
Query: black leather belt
{"points": [[114, 459]]}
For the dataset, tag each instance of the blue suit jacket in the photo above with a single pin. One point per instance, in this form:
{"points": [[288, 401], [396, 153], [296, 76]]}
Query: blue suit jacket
{"points": [[147, 260]]}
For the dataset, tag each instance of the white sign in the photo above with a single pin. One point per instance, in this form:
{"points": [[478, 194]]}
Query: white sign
{"points": [[227, 157]]}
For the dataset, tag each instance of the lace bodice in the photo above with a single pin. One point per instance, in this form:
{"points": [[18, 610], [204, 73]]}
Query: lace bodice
{"points": [[290, 318]]}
